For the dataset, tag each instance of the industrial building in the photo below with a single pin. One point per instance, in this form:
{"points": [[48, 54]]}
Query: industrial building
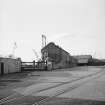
{"points": [[83, 59], [9, 65], [58, 57]]}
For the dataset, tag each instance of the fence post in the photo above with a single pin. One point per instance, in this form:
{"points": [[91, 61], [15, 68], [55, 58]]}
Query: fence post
{"points": [[46, 65], [34, 64]]}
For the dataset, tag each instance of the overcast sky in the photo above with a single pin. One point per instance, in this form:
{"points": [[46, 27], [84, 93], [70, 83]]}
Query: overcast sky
{"points": [[78, 26]]}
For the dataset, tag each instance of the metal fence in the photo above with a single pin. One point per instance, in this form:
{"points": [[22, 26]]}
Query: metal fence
{"points": [[28, 66]]}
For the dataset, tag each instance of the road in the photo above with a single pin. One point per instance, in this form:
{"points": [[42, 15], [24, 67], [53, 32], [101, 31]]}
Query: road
{"points": [[74, 86]]}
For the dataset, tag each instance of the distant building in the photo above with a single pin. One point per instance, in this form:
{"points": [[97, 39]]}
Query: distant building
{"points": [[83, 59], [9, 65], [97, 62], [57, 56]]}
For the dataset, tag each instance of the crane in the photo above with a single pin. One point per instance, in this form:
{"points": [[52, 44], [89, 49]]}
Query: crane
{"points": [[36, 55], [13, 51], [43, 40], [14, 48]]}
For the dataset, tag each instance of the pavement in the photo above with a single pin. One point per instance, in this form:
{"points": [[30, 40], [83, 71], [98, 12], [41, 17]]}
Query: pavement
{"points": [[74, 86]]}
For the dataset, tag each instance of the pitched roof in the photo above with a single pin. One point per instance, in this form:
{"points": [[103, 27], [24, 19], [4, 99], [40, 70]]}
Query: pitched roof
{"points": [[53, 44]]}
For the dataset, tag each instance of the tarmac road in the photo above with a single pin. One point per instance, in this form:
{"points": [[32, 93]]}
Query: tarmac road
{"points": [[82, 86]]}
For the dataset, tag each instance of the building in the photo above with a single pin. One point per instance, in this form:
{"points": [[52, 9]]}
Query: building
{"points": [[83, 59], [57, 56], [97, 62], [9, 65]]}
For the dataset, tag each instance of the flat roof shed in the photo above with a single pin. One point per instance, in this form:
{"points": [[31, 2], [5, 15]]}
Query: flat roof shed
{"points": [[9, 65]]}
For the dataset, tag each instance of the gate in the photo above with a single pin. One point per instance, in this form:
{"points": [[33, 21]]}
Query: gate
{"points": [[32, 66]]}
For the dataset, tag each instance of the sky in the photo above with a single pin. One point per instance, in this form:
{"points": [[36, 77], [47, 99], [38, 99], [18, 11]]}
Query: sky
{"points": [[78, 26]]}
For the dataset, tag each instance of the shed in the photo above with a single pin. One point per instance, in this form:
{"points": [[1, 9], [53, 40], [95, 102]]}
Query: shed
{"points": [[83, 59], [9, 65]]}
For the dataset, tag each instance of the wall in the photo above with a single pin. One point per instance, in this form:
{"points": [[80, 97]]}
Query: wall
{"points": [[67, 60], [10, 65]]}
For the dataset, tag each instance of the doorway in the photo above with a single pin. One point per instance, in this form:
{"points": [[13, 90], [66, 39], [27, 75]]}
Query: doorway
{"points": [[2, 68]]}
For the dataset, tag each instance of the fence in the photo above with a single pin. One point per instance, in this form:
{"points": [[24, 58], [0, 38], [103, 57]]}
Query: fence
{"points": [[28, 66]]}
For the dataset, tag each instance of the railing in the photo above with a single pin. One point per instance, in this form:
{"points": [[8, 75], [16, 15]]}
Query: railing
{"points": [[28, 66]]}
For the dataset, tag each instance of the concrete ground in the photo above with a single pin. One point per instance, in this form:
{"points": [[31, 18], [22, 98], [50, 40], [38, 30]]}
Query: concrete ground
{"points": [[74, 86]]}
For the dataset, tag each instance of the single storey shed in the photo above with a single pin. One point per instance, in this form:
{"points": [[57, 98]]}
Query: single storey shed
{"points": [[9, 65]]}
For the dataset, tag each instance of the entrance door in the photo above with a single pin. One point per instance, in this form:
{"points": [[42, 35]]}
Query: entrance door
{"points": [[2, 68]]}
